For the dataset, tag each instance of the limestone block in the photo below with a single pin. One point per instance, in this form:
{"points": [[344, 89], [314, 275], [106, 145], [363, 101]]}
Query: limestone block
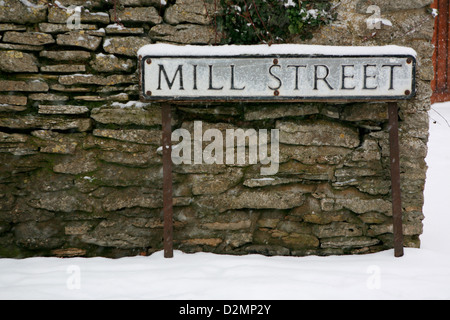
{"points": [[17, 61], [31, 11], [60, 15], [33, 86], [62, 109], [183, 33], [127, 46], [141, 14], [75, 55], [318, 133], [111, 63], [79, 39], [190, 11], [28, 38]]}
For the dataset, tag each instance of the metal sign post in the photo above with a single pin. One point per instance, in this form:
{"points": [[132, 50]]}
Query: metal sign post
{"points": [[167, 179], [395, 178]]}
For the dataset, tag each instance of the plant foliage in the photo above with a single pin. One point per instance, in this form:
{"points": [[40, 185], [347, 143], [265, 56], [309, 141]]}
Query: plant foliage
{"points": [[270, 21]]}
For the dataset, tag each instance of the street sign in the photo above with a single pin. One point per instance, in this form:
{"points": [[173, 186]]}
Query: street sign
{"points": [[277, 78]]}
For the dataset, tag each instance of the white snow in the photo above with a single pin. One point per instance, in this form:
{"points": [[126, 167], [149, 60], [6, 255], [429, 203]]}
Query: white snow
{"points": [[434, 13], [163, 49], [421, 274], [32, 5], [130, 104]]}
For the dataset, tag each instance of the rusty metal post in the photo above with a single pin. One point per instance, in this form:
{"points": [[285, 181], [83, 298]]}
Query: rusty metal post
{"points": [[167, 179], [395, 179]]}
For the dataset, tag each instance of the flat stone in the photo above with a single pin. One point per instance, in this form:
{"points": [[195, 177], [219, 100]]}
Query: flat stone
{"points": [[81, 163], [318, 133], [69, 253], [13, 100], [86, 4], [348, 242], [212, 242], [64, 68], [262, 112], [61, 88], [337, 229], [62, 28], [308, 172], [62, 109], [31, 86], [120, 233], [59, 15], [298, 241], [62, 201], [132, 197], [127, 46], [140, 14], [190, 11], [97, 80], [38, 235], [12, 27], [17, 61], [127, 116], [269, 181], [111, 63], [11, 108], [391, 6], [280, 197], [46, 123], [75, 55], [21, 12], [183, 33], [111, 145], [59, 147], [90, 98], [141, 3], [314, 154], [363, 206], [28, 38], [367, 111], [215, 183], [47, 97], [79, 39], [116, 29], [131, 159], [12, 138], [56, 143], [120, 176], [21, 47], [140, 136]]}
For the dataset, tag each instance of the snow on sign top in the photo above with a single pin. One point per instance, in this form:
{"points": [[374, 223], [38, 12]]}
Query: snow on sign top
{"points": [[169, 50], [287, 72]]}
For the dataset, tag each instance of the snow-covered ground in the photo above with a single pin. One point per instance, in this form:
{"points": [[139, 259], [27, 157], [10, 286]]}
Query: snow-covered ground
{"points": [[421, 274]]}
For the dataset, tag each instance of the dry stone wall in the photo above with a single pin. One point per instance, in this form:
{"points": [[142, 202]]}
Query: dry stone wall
{"points": [[80, 168]]}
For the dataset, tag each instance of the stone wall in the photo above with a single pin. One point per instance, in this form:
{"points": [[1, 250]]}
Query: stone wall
{"points": [[80, 170]]}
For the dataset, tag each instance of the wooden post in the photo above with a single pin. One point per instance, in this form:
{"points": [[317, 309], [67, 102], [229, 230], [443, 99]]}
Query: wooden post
{"points": [[167, 180], [395, 179]]}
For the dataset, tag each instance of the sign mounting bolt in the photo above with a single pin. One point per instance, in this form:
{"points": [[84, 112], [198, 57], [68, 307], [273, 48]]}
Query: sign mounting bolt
{"points": [[149, 61]]}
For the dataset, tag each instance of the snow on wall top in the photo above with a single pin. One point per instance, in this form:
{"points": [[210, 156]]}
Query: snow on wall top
{"points": [[162, 49]]}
